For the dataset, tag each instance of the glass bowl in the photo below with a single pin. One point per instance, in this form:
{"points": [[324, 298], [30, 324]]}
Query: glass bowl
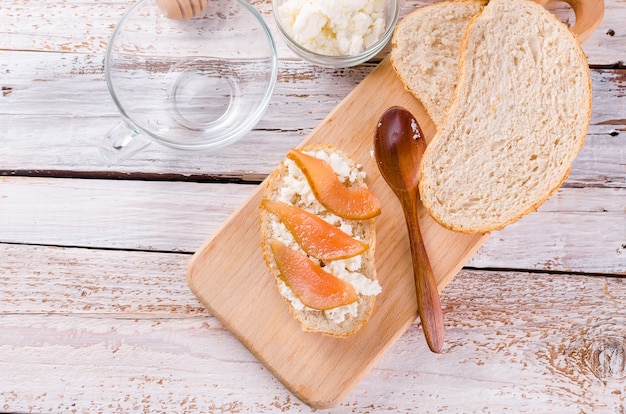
{"points": [[195, 84], [308, 29]]}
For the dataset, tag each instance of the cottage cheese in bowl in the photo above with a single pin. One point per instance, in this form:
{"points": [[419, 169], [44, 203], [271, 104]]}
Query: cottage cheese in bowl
{"points": [[336, 33], [334, 28]]}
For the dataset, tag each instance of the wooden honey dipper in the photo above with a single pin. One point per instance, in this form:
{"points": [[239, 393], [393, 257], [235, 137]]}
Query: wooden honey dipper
{"points": [[182, 9]]}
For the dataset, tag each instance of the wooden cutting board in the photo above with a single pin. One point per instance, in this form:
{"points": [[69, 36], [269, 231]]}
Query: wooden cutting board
{"points": [[228, 273]]}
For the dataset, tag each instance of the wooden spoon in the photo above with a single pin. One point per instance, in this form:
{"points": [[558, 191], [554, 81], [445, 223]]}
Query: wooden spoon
{"points": [[182, 9], [398, 148]]}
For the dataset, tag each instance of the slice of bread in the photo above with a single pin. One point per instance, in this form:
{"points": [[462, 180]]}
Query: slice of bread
{"points": [[519, 118], [287, 184], [425, 52]]}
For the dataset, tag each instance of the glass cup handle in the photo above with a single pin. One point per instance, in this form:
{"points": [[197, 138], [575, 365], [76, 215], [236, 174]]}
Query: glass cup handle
{"points": [[122, 142]]}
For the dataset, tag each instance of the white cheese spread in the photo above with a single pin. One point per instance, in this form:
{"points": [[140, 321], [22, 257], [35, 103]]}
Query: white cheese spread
{"points": [[334, 28], [296, 187]]}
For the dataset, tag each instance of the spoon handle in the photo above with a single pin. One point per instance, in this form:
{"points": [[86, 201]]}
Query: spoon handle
{"points": [[429, 305], [181, 9]]}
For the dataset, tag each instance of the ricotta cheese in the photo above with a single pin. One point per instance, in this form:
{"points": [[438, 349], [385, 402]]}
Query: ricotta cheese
{"points": [[334, 28]]}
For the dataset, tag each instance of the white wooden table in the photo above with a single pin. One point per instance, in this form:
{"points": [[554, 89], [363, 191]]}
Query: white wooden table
{"points": [[95, 313]]}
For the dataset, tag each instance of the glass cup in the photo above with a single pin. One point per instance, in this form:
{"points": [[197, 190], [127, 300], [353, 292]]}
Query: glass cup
{"points": [[196, 84]]}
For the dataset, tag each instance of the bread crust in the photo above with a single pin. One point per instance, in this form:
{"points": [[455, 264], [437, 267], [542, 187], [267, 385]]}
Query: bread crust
{"points": [[312, 320]]}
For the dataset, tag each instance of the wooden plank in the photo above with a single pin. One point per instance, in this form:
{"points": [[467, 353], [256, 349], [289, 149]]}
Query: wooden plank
{"points": [[78, 26], [138, 215], [582, 229], [91, 330], [305, 95], [51, 280], [568, 233], [31, 80], [71, 132]]}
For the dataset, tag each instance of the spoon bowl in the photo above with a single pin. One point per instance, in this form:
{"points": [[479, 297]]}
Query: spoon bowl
{"points": [[398, 149]]}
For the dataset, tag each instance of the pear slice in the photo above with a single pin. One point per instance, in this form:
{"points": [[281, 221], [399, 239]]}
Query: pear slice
{"points": [[314, 287], [317, 237], [355, 203]]}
